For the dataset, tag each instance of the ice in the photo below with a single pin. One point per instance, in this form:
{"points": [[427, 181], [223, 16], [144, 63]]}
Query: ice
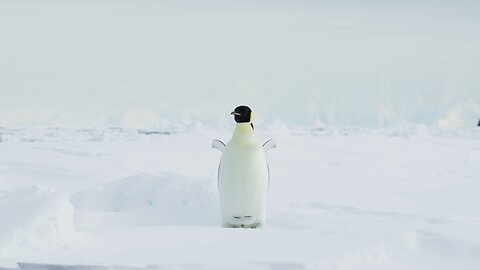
{"points": [[402, 197]]}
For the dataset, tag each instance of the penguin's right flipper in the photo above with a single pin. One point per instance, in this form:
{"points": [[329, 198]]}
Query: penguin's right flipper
{"points": [[270, 144], [217, 144]]}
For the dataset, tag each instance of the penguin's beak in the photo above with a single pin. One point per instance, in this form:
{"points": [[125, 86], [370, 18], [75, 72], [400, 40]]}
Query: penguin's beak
{"points": [[235, 113]]}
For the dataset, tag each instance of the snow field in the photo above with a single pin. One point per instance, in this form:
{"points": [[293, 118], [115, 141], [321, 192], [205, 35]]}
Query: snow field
{"points": [[399, 198]]}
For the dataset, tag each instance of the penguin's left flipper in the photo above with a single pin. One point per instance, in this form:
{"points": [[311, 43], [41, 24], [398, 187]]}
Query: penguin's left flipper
{"points": [[217, 144], [270, 144]]}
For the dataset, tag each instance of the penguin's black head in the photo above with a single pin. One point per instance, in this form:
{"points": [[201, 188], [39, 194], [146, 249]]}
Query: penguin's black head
{"points": [[242, 114]]}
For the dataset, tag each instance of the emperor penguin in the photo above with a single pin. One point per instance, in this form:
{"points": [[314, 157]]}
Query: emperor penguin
{"points": [[243, 175]]}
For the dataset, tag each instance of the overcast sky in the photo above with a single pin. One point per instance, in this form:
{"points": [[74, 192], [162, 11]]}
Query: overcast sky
{"points": [[142, 63]]}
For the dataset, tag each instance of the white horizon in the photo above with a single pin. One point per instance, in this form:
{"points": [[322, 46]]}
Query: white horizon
{"points": [[306, 63]]}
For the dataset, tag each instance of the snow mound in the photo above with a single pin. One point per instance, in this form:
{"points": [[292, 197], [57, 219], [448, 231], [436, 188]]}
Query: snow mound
{"points": [[277, 130], [192, 266], [33, 217], [34, 266], [145, 199], [401, 131], [73, 134]]}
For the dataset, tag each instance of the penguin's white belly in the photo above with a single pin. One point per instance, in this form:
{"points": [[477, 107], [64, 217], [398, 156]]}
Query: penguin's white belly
{"points": [[243, 184]]}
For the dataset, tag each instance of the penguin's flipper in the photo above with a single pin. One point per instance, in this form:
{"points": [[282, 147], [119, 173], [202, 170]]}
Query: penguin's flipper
{"points": [[217, 144], [270, 144]]}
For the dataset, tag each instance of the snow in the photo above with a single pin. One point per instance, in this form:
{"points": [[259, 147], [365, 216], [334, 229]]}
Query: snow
{"points": [[33, 217], [402, 197]]}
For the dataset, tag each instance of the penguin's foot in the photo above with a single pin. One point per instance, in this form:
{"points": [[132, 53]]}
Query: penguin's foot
{"points": [[242, 222], [242, 217]]}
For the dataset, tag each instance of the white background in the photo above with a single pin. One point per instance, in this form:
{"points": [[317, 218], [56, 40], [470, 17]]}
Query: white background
{"points": [[302, 62]]}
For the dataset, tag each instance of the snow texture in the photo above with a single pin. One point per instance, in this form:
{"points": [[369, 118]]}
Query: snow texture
{"points": [[339, 198]]}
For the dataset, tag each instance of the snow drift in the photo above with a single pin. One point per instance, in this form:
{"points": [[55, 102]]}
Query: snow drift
{"points": [[35, 217], [146, 199]]}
